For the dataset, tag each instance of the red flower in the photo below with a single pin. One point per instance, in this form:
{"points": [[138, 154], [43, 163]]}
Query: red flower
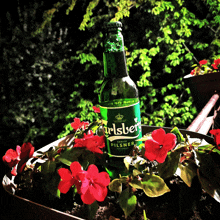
{"points": [[27, 151], [14, 171], [214, 66], [203, 62], [193, 72], [12, 157], [96, 109], [216, 133], [216, 63], [92, 142], [18, 157], [78, 124], [69, 178], [158, 147], [94, 185]]}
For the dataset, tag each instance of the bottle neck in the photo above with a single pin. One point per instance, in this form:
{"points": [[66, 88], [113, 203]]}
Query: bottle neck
{"points": [[115, 64], [114, 56]]}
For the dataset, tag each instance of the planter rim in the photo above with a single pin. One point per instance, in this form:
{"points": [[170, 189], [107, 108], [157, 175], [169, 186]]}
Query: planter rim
{"points": [[8, 186], [202, 87], [207, 74]]}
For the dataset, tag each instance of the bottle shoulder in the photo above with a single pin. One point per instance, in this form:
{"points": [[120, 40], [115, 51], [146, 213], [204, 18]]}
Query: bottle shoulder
{"points": [[118, 88]]}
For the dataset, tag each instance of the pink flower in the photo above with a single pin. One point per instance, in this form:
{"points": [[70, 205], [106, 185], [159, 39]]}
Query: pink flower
{"points": [[160, 144], [92, 142], [94, 185], [96, 109], [12, 157], [69, 178], [78, 124], [203, 62], [216, 133], [27, 151]]}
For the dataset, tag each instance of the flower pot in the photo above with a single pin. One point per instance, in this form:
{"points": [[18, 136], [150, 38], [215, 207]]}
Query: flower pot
{"points": [[203, 87], [25, 209]]}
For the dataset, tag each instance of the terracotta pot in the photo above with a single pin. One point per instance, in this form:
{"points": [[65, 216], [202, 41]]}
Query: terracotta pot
{"points": [[21, 208], [203, 87]]}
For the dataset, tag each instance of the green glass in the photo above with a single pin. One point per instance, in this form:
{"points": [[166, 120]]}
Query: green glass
{"points": [[119, 102]]}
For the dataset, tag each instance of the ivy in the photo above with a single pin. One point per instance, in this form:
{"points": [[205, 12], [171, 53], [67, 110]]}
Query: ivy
{"points": [[71, 7], [88, 14]]}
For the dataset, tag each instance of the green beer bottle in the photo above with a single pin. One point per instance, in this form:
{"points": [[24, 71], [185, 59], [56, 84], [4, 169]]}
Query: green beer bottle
{"points": [[119, 102]]}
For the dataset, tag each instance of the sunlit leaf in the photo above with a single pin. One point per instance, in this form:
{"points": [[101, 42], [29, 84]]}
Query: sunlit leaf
{"points": [[168, 168], [127, 201], [154, 185], [187, 172]]}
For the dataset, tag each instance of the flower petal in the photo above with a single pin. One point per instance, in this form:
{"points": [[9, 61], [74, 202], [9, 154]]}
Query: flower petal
{"points": [[85, 185], [99, 192], [103, 178], [27, 151], [161, 156], [151, 149], [21, 166], [11, 158], [65, 174], [93, 171], [75, 168], [87, 197], [18, 150], [159, 135], [76, 124], [216, 133], [64, 185], [14, 171], [203, 62], [169, 141]]}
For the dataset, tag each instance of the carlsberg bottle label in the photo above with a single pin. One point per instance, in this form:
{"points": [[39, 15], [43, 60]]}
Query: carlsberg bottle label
{"points": [[122, 123]]}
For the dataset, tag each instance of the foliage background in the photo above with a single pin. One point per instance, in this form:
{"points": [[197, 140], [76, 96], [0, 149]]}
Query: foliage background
{"points": [[51, 61]]}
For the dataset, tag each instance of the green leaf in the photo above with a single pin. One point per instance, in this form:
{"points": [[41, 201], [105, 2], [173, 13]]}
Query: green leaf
{"points": [[116, 184], [70, 155], [51, 184], [154, 186], [187, 173], [144, 214], [92, 209], [209, 187], [48, 167], [127, 201], [127, 162], [136, 172], [208, 148], [209, 174], [89, 157], [178, 134], [169, 167], [135, 183]]}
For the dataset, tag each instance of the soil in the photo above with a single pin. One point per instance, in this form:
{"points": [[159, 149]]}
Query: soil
{"points": [[181, 203]]}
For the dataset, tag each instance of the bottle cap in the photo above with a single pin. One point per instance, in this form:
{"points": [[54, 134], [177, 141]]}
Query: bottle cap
{"points": [[111, 26]]}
